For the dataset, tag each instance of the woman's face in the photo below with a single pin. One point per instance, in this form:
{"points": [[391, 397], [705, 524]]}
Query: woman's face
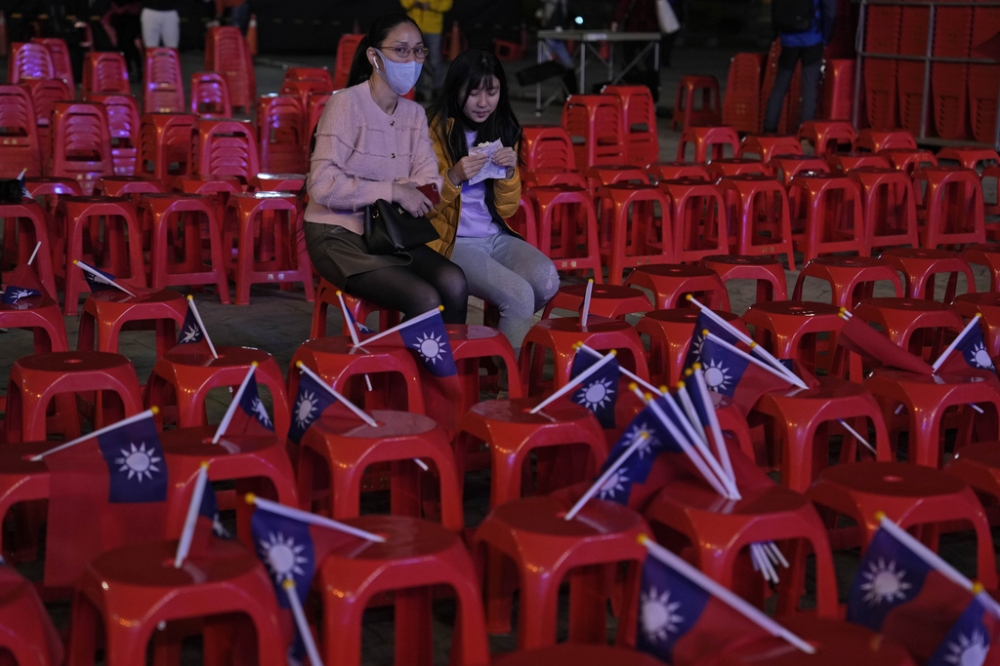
{"points": [[482, 101], [400, 43]]}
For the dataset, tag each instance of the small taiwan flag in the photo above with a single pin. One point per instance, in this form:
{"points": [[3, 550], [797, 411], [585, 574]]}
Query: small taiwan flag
{"points": [[599, 392], [429, 340], [191, 332], [99, 282], [250, 417], [970, 354], [22, 283], [312, 400]]}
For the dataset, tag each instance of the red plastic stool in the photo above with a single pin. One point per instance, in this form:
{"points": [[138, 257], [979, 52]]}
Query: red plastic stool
{"points": [[951, 211], [767, 272], [912, 323], [661, 171], [925, 399], [512, 434], [349, 446], [417, 557], [968, 305], [606, 301], [22, 480], [721, 533], [670, 332], [991, 208], [178, 219], [122, 243], [392, 371], [969, 157], [106, 313], [473, 347], [560, 335], [165, 145], [758, 212], [579, 655], [359, 308], [257, 464], [978, 464], [43, 317], [988, 255], [848, 162], [920, 267], [850, 278], [827, 216], [24, 226], [909, 495], [245, 214], [799, 423], [909, 159], [132, 589], [766, 147], [546, 550], [709, 143], [787, 166], [29, 639], [36, 380], [699, 219], [837, 643], [564, 216], [685, 113], [736, 166], [828, 137], [632, 233], [791, 330], [126, 186], [889, 205], [875, 141], [602, 175], [671, 283], [182, 379]]}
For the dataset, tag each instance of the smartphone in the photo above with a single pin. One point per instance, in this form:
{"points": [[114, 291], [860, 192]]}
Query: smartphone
{"points": [[431, 193]]}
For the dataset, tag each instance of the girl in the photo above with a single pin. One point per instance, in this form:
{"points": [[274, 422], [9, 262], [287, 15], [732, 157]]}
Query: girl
{"points": [[501, 268]]}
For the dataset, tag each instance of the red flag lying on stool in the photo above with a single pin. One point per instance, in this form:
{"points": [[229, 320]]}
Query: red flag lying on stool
{"points": [[22, 283], [106, 491], [599, 392], [857, 336]]}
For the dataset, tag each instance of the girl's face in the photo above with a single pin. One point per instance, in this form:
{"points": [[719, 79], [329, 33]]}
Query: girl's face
{"points": [[482, 101]]}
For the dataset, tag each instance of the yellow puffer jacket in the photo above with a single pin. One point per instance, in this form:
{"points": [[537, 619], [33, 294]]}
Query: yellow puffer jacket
{"points": [[444, 217], [428, 20]]}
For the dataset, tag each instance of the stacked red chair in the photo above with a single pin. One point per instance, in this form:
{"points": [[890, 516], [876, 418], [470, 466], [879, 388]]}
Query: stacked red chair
{"points": [[21, 147], [741, 106], [45, 93], [837, 92], [162, 85], [81, 143], [788, 121], [165, 145], [314, 109], [61, 67], [123, 126], [686, 113], [310, 74], [224, 148], [879, 75], [639, 118], [949, 90], [210, 95], [226, 53], [913, 25], [29, 60], [346, 47], [105, 73], [709, 143], [280, 134], [303, 88], [595, 124], [984, 80], [547, 147]]}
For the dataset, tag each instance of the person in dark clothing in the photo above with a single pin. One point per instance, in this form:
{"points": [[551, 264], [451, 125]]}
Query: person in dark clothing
{"points": [[121, 22], [806, 46]]}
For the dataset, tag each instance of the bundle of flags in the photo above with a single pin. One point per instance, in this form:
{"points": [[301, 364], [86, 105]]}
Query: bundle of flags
{"points": [[907, 592]]}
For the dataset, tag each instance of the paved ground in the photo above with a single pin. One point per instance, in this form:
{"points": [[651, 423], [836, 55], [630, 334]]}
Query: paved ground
{"points": [[278, 322]]}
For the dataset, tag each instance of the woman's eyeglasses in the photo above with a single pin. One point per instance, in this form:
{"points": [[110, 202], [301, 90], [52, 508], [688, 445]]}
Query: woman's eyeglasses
{"points": [[419, 52]]}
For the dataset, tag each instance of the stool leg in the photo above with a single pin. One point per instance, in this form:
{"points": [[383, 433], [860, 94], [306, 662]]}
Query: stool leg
{"points": [[414, 641], [83, 633], [587, 599], [538, 610]]}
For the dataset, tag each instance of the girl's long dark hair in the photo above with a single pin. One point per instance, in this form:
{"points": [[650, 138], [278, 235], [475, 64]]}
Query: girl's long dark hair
{"points": [[361, 69], [468, 72]]}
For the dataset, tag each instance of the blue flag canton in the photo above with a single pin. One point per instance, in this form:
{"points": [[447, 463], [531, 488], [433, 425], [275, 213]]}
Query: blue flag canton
{"points": [[618, 487], [670, 605], [701, 324], [136, 467], [96, 283], [723, 367], [968, 640], [210, 509], [312, 400], [891, 574], [252, 405], [359, 328], [13, 293], [974, 351], [190, 332], [599, 392], [429, 339], [285, 546]]}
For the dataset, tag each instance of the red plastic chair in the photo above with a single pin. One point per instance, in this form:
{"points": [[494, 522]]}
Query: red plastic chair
{"points": [[951, 210], [162, 82], [850, 279], [698, 212], [346, 47], [607, 300], [639, 118], [595, 124], [978, 464], [670, 285], [735, 166], [29, 60], [281, 134], [660, 171], [920, 268], [758, 212], [473, 347], [61, 66], [827, 216], [913, 323], [105, 72], [741, 105], [210, 96], [766, 147], [226, 53], [326, 295], [21, 145], [848, 162], [768, 273], [791, 330], [303, 89], [44, 94], [165, 145], [567, 228], [889, 205], [969, 157], [685, 113], [909, 159], [709, 143], [875, 141], [786, 167], [224, 149], [81, 143], [106, 313], [314, 109], [309, 74], [636, 227], [828, 137], [123, 126]]}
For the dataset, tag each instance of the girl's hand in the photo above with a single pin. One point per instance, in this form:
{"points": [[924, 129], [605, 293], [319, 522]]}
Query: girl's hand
{"points": [[411, 199], [466, 168], [505, 157]]}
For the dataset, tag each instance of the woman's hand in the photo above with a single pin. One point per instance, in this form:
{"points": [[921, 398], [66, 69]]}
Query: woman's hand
{"points": [[466, 168], [411, 199], [506, 157]]}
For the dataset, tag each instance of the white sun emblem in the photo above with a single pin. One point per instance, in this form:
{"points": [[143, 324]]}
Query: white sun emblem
{"points": [[637, 431], [217, 527], [717, 376], [968, 650], [261, 412], [138, 462], [981, 357], [697, 343], [884, 583], [190, 334], [658, 615], [595, 395], [283, 556], [305, 409], [20, 293], [614, 484], [430, 347]]}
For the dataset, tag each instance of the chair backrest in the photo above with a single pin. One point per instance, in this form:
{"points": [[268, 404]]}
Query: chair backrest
{"points": [[210, 95], [226, 53], [19, 144], [61, 66], [105, 73], [346, 47], [224, 148], [310, 74], [29, 61], [165, 145], [280, 130], [317, 104], [163, 87], [547, 148], [81, 143]]}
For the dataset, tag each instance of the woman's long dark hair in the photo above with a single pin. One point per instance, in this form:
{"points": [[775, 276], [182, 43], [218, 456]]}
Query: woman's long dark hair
{"points": [[468, 72], [361, 69]]}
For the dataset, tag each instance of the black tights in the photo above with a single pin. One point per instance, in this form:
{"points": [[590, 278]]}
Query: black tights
{"points": [[429, 281]]}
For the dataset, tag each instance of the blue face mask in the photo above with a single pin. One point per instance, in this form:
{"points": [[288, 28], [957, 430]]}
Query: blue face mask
{"points": [[401, 76]]}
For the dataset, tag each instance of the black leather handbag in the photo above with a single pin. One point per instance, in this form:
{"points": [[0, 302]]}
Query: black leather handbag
{"points": [[389, 229]]}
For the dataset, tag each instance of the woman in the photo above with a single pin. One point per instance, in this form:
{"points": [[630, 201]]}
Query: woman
{"points": [[501, 268], [372, 144]]}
